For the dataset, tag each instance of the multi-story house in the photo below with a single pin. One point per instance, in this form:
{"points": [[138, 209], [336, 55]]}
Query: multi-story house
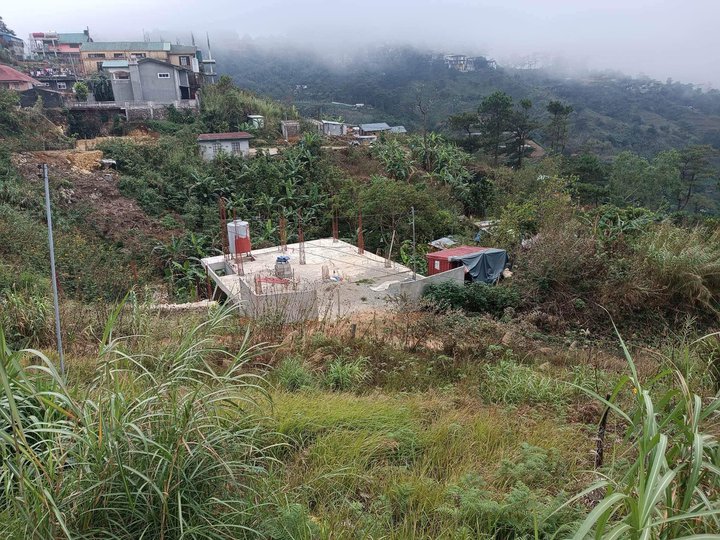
{"points": [[95, 53], [61, 50], [13, 44]]}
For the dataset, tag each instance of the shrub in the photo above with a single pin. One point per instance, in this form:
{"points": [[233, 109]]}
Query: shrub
{"points": [[25, 317], [293, 375], [683, 266], [343, 375], [474, 297]]}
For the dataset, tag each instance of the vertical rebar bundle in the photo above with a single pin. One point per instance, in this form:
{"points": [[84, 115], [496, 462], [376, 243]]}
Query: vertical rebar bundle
{"points": [[223, 228], [283, 234], [301, 240], [335, 228], [361, 240]]}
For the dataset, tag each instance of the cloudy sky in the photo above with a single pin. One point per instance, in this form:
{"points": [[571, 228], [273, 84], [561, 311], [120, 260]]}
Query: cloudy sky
{"points": [[659, 38]]}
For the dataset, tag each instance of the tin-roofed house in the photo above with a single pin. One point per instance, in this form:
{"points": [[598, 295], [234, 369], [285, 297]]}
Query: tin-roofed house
{"points": [[234, 143], [373, 128], [12, 79]]}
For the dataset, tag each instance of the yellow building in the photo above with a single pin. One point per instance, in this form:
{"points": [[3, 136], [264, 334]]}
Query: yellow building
{"points": [[92, 55]]}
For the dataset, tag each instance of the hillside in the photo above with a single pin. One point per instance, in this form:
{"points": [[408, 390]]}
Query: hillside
{"points": [[612, 112], [476, 411]]}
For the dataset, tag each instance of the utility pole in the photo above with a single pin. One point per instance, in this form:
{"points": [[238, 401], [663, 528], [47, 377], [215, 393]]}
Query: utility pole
{"points": [[412, 209], [53, 274]]}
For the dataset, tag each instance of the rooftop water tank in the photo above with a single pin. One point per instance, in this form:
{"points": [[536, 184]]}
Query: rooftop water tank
{"points": [[239, 236]]}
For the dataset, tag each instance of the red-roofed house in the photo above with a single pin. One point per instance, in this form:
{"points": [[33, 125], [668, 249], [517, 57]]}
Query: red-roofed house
{"points": [[12, 79], [235, 143]]}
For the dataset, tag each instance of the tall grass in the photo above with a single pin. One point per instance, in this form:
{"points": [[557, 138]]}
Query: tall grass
{"points": [[133, 455]]}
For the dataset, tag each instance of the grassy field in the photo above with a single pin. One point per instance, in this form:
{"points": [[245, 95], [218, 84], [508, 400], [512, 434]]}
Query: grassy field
{"points": [[203, 426]]}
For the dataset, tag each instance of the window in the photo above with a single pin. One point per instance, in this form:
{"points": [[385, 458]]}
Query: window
{"points": [[163, 75], [99, 65], [184, 60], [217, 148], [119, 55], [437, 265], [236, 148], [121, 75], [61, 86], [138, 55], [96, 55]]}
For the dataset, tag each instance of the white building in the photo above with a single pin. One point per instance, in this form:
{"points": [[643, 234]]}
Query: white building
{"points": [[235, 143]]}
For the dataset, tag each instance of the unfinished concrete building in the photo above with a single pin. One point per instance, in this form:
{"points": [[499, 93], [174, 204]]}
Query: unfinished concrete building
{"points": [[317, 279]]}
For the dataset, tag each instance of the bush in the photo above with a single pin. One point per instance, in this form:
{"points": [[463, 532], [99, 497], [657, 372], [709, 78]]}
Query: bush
{"points": [[683, 267], [343, 375], [474, 297]]}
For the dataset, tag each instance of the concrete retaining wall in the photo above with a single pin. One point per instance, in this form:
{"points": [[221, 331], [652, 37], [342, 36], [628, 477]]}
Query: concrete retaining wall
{"points": [[413, 290]]}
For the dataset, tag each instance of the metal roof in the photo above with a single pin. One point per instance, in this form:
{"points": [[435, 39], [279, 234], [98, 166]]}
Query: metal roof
{"points": [[456, 252], [130, 46], [379, 126], [8, 74], [10, 36], [224, 136], [73, 37], [183, 49], [398, 129], [115, 64]]}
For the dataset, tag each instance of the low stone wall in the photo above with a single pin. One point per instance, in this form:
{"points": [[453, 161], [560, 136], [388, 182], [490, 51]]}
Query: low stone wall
{"points": [[413, 290]]}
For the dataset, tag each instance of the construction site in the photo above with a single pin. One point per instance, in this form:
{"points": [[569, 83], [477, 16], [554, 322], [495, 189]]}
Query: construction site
{"points": [[318, 279]]}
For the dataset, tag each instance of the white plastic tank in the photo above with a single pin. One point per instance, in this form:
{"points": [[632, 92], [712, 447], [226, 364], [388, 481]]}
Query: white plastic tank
{"points": [[239, 236]]}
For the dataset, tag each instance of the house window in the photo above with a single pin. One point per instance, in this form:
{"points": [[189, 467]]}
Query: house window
{"points": [[119, 55], [437, 265], [138, 55], [96, 55], [184, 60], [163, 75], [236, 148], [121, 75], [99, 65], [217, 148], [61, 86]]}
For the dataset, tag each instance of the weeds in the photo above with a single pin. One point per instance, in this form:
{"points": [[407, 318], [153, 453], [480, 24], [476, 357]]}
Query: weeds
{"points": [[343, 375], [292, 375]]}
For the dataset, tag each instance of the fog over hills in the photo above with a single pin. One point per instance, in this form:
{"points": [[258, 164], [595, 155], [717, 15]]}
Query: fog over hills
{"points": [[658, 38]]}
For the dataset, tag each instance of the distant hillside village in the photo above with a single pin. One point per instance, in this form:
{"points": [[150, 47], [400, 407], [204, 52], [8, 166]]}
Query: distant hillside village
{"points": [[139, 80]]}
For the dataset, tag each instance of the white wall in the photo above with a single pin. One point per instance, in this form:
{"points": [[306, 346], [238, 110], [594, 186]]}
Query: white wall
{"points": [[207, 148], [413, 290]]}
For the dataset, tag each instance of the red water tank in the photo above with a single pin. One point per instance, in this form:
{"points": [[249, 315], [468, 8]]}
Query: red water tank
{"points": [[239, 236]]}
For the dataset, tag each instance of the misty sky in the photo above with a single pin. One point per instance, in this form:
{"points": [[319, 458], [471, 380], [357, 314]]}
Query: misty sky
{"points": [[659, 38]]}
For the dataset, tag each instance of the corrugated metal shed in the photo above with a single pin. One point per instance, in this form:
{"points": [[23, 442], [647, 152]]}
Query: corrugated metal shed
{"points": [[447, 259], [378, 126], [398, 129]]}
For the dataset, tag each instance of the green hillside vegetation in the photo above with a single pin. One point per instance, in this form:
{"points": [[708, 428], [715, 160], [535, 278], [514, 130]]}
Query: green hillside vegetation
{"points": [[611, 112], [501, 411]]}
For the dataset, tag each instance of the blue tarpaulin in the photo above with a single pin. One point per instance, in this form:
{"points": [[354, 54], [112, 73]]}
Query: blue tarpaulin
{"points": [[485, 266]]}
